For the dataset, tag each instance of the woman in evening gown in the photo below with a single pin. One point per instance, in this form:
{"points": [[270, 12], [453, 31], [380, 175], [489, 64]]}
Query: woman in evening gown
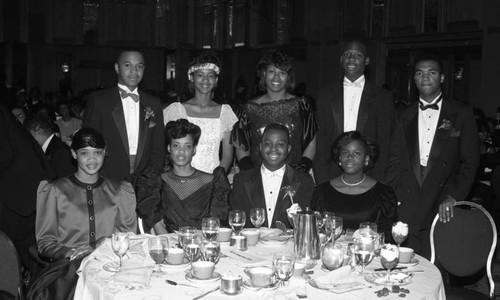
{"points": [[215, 120], [354, 196], [277, 105]]}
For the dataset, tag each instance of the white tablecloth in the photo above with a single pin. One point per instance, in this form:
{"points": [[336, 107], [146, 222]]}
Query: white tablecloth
{"points": [[96, 283]]}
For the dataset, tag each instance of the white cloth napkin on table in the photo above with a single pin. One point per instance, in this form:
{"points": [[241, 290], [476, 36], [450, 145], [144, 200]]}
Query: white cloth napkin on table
{"points": [[340, 275], [134, 276]]}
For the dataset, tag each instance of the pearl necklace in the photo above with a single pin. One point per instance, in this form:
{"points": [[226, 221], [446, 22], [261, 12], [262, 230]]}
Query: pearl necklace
{"points": [[352, 184], [183, 178]]}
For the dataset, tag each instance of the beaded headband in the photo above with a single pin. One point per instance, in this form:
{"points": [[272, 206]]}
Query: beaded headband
{"points": [[209, 66]]}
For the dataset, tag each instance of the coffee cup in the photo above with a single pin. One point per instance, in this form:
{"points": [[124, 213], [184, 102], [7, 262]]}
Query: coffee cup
{"points": [[261, 276], [230, 284], [252, 236], [202, 269], [405, 254], [299, 269], [175, 256], [224, 234]]}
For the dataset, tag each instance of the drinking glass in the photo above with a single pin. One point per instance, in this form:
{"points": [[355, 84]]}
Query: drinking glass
{"points": [[368, 229], [257, 216], [389, 258], [210, 251], [192, 247], [319, 220], [337, 226], [237, 220], [120, 243], [399, 232], [283, 263], [158, 250], [210, 228], [328, 228], [186, 232], [364, 251]]}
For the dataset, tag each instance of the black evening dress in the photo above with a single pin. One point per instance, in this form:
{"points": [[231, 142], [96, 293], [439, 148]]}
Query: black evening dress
{"points": [[378, 205]]}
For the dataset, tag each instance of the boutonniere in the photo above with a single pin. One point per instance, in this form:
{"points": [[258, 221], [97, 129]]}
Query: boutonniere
{"points": [[289, 192], [446, 125], [149, 113]]}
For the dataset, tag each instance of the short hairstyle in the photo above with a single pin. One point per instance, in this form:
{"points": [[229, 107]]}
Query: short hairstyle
{"points": [[39, 123], [122, 51], [347, 137], [277, 127], [281, 61], [429, 57], [181, 128], [88, 137], [362, 46], [204, 58]]}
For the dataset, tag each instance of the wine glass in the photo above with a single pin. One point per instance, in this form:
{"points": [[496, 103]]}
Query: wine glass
{"points": [[364, 251], [337, 226], [192, 247], [283, 263], [257, 216], [210, 228], [399, 232], [329, 229], [389, 258], [158, 250], [186, 232], [368, 229], [120, 243], [210, 251], [237, 220]]}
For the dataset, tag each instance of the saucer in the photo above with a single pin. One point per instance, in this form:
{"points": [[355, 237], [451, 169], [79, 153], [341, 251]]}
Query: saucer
{"points": [[274, 239], [111, 267], [185, 263], [215, 276], [248, 285], [380, 278], [413, 262]]}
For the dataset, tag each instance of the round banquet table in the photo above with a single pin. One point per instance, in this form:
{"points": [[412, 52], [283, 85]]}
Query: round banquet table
{"points": [[137, 283]]}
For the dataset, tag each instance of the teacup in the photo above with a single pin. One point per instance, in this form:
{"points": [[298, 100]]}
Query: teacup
{"points": [[224, 234], [405, 254], [175, 256], [252, 236], [202, 269], [261, 276]]}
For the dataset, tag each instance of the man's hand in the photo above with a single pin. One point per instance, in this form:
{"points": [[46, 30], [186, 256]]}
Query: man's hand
{"points": [[446, 209]]}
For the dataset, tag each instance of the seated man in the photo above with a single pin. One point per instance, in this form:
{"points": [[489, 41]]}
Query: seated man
{"points": [[274, 185]]}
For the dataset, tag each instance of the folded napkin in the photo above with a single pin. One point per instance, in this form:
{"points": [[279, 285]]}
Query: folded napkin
{"points": [[138, 276], [340, 275]]}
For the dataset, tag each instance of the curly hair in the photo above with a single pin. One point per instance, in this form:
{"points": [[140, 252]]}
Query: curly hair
{"points": [[181, 128], [345, 138], [281, 61]]}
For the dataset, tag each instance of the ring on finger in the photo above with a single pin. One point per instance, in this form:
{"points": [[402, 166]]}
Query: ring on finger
{"points": [[447, 208]]}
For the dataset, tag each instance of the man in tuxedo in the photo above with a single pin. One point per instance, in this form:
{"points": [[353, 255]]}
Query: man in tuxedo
{"points": [[130, 120], [57, 152], [274, 185], [352, 105], [434, 155]]}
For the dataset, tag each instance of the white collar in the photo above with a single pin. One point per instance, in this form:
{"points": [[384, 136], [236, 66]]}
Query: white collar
{"points": [[47, 142], [124, 87], [268, 173]]}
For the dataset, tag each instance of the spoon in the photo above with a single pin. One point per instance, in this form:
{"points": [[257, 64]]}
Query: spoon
{"points": [[204, 294], [171, 282]]}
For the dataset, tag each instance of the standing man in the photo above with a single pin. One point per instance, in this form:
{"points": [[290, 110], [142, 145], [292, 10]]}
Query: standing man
{"points": [[434, 155], [356, 104], [130, 121]]}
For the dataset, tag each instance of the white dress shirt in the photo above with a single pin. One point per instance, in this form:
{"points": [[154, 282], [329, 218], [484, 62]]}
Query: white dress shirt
{"points": [[352, 99], [271, 181], [131, 112], [427, 124], [47, 142]]}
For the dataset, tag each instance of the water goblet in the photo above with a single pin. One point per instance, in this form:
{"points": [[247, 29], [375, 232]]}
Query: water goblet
{"points": [[337, 226], [237, 220], [328, 228], [364, 251], [210, 228], [120, 243], [210, 251], [186, 233], [368, 229], [257, 216], [158, 250], [283, 263], [192, 247], [389, 258], [399, 232]]}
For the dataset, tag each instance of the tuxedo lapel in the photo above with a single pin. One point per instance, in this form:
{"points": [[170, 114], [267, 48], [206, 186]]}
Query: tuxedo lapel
{"points": [[337, 107], [119, 118], [255, 191], [447, 118], [143, 129], [283, 202], [412, 144], [364, 107]]}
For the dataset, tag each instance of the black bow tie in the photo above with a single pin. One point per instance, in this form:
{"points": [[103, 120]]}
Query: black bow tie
{"points": [[124, 94], [430, 106]]}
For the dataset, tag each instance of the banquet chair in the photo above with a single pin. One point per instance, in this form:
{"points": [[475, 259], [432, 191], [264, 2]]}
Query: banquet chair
{"points": [[464, 246], [10, 270]]}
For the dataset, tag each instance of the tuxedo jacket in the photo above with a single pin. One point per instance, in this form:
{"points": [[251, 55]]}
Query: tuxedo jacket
{"points": [[104, 112], [60, 158], [375, 116], [451, 167], [248, 192]]}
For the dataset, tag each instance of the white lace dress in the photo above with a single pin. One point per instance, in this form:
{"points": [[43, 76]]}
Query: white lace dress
{"points": [[212, 132]]}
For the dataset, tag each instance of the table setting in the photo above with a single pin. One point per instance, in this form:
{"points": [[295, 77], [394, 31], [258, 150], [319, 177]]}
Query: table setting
{"points": [[269, 263]]}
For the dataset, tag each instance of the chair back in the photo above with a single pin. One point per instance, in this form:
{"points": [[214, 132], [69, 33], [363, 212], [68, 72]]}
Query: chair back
{"points": [[10, 267], [467, 243]]}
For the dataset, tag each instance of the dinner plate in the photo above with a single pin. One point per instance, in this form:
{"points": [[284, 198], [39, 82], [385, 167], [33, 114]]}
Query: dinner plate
{"points": [[338, 288], [273, 239], [396, 278], [248, 285], [184, 264], [111, 267], [214, 278], [413, 262]]}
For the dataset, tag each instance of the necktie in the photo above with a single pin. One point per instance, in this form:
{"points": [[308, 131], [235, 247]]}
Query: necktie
{"points": [[277, 173], [124, 94], [430, 106]]}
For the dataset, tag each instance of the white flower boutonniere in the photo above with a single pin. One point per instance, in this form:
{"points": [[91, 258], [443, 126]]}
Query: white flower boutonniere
{"points": [[446, 125], [149, 113], [289, 191]]}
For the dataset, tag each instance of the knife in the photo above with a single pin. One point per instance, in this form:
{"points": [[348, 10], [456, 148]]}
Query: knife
{"points": [[383, 269], [204, 294]]}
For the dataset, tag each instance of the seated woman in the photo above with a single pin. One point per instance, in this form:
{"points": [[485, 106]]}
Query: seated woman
{"points": [[185, 195], [78, 211], [354, 196]]}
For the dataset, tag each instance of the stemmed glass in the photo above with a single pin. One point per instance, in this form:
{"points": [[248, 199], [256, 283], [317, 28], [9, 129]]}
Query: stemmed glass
{"points": [[192, 247], [399, 232], [210, 251], [210, 228], [337, 226], [257, 216], [284, 263], [368, 228], [237, 220], [389, 258], [120, 243], [158, 250], [364, 250], [186, 233]]}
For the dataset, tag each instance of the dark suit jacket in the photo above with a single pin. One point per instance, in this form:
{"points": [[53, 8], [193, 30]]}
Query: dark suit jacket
{"points": [[375, 115], [60, 158], [104, 112], [451, 167], [248, 192]]}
